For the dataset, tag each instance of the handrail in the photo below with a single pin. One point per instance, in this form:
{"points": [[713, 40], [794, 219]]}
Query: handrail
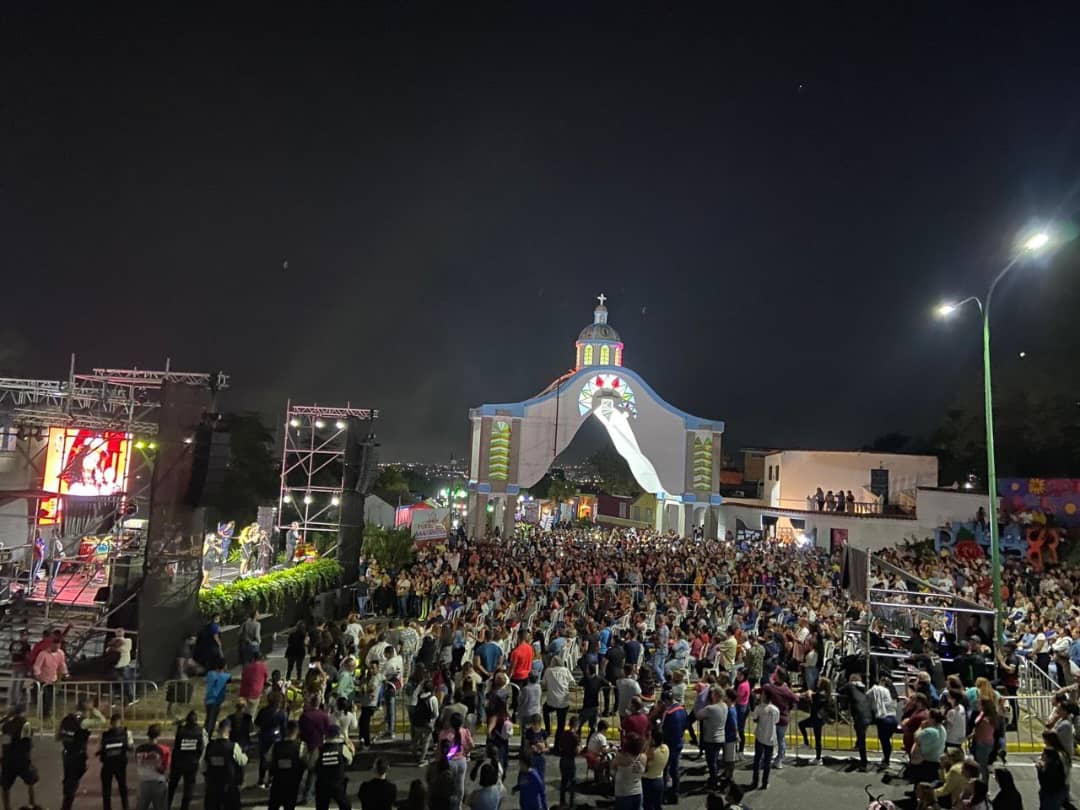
{"points": [[80, 641]]}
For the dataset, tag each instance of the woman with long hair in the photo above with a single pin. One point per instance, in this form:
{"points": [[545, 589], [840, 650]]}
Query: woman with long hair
{"points": [[1008, 797], [982, 738]]}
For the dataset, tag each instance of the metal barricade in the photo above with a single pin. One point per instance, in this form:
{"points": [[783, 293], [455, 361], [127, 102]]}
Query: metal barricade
{"points": [[135, 701]]}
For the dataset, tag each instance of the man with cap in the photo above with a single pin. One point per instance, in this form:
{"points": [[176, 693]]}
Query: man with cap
{"points": [[331, 760]]}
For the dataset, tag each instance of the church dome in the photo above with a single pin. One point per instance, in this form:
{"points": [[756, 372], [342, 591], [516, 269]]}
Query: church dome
{"points": [[599, 344], [599, 331]]}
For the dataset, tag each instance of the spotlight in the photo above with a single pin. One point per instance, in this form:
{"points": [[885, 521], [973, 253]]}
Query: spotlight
{"points": [[287, 498], [294, 423], [139, 445], [152, 445], [188, 440], [335, 501], [307, 499], [339, 425], [319, 423]]}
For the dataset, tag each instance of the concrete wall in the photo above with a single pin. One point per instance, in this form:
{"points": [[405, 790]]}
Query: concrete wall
{"points": [[863, 532], [803, 471], [936, 507]]}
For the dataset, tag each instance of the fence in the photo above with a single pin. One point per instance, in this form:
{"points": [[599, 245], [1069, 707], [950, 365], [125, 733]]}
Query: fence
{"points": [[134, 700]]}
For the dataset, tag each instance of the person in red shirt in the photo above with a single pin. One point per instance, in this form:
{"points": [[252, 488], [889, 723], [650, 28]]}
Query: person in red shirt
{"points": [[521, 660], [637, 721], [253, 678]]}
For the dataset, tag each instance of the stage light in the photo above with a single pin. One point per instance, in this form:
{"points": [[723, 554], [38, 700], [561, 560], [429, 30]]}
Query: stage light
{"points": [[294, 423], [188, 440], [308, 499], [335, 501], [287, 498], [152, 445], [139, 445], [339, 425], [319, 423]]}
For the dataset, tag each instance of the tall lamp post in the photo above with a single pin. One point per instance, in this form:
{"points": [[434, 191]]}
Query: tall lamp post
{"points": [[1030, 245]]}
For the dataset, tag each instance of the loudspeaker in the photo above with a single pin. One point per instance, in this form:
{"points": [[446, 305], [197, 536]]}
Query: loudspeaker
{"points": [[210, 461], [361, 457]]}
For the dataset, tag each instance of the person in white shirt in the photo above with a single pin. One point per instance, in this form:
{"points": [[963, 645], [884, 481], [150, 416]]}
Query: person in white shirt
{"points": [[765, 716], [626, 688], [556, 682], [883, 698]]}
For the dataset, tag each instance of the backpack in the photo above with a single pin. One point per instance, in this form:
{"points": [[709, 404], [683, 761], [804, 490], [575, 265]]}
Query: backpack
{"points": [[878, 802], [422, 715]]}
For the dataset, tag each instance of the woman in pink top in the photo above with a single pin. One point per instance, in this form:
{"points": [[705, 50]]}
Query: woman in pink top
{"points": [[742, 704]]}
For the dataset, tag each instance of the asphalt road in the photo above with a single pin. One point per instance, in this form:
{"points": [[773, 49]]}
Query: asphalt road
{"points": [[824, 787]]}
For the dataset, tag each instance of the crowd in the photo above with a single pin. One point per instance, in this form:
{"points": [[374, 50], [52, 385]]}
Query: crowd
{"points": [[606, 650]]}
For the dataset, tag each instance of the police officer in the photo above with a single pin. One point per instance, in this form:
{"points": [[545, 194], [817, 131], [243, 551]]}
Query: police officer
{"points": [[225, 761], [187, 750], [116, 742], [74, 736], [287, 764], [332, 758], [18, 738]]}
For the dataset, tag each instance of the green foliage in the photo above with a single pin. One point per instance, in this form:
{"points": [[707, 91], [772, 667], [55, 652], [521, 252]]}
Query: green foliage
{"points": [[269, 593], [390, 548], [614, 473]]}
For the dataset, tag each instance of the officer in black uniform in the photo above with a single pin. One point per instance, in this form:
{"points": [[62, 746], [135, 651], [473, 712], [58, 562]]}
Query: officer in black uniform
{"points": [[116, 742], [187, 750], [333, 757], [18, 738], [225, 761], [74, 736], [287, 765]]}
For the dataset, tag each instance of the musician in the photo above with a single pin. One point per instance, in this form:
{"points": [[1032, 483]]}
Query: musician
{"points": [[266, 552], [225, 534]]}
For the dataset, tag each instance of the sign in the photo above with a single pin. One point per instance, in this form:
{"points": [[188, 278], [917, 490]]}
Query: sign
{"points": [[429, 532]]}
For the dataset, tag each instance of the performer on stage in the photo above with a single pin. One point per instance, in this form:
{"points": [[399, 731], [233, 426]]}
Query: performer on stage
{"points": [[249, 537], [293, 538], [210, 551], [266, 552], [225, 534]]}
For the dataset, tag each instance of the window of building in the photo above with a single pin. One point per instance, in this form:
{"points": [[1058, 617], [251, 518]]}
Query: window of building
{"points": [[587, 356], [578, 357], [605, 355], [777, 472], [618, 355]]}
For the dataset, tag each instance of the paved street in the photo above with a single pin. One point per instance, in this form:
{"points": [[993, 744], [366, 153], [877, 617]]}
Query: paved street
{"points": [[827, 786]]}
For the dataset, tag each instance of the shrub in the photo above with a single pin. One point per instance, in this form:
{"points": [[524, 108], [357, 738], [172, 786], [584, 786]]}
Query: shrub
{"points": [[233, 601]]}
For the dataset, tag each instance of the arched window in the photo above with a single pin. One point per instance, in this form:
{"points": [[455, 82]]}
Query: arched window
{"points": [[587, 358], [578, 365], [605, 355], [618, 355]]}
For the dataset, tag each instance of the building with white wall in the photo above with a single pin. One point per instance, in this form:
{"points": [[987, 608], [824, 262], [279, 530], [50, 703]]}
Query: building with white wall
{"points": [[875, 479]]}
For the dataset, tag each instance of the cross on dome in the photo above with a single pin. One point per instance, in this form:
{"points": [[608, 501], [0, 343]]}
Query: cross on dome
{"points": [[601, 298]]}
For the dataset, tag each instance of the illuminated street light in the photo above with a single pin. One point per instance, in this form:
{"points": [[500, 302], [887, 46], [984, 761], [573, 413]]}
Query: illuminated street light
{"points": [[1037, 241], [1032, 244]]}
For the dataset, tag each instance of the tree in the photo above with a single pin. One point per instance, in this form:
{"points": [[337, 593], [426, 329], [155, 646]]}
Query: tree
{"points": [[391, 484], [392, 549], [252, 477], [614, 473]]}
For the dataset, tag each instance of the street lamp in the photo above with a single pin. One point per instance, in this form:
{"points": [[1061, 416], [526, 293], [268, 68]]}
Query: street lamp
{"points": [[1030, 245]]}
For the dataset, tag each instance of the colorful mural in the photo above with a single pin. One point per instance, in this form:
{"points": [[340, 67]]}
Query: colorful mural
{"points": [[1041, 500], [973, 539], [499, 458], [612, 383], [703, 463]]}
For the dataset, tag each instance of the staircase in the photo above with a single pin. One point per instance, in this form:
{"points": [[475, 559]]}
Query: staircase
{"points": [[21, 614]]}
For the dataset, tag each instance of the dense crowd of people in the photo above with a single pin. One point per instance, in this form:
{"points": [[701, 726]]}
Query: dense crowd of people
{"points": [[606, 651]]}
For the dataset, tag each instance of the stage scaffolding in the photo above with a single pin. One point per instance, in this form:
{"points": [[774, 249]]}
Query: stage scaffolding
{"points": [[314, 464]]}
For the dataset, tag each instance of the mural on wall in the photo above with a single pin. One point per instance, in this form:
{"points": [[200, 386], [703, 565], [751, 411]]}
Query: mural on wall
{"points": [[1041, 500], [1037, 544], [499, 458], [703, 462], [610, 384]]}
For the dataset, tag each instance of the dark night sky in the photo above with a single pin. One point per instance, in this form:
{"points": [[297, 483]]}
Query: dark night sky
{"points": [[787, 195]]}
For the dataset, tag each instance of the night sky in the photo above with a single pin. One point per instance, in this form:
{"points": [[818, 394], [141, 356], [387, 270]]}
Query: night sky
{"points": [[772, 204]]}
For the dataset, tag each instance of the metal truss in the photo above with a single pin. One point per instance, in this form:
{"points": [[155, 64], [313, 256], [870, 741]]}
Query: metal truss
{"points": [[313, 465], [106, 399]]}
